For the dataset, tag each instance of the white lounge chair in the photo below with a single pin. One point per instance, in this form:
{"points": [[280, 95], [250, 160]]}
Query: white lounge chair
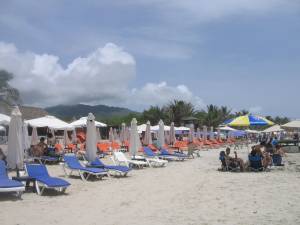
{"points": [[120, 159]]}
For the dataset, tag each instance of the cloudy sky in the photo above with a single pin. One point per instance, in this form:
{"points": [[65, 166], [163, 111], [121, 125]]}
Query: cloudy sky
{"points": [[241, 53]]}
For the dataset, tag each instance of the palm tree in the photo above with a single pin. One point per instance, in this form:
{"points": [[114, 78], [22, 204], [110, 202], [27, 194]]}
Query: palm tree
{"points": [[154, 114], [243, 112], [212, 116], [178, 109]]}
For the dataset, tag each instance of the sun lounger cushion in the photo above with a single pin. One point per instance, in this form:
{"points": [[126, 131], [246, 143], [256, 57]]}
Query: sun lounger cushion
{"points": [[8, 183], [40, 173], [74, 164], [5, 182]]}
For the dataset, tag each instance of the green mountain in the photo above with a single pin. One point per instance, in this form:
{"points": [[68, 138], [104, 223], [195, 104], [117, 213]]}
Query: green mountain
{"points": [[67, 112]]}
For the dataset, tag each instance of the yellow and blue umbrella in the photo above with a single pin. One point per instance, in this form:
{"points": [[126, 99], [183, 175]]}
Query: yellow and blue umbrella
{"points": [[248, 120]]}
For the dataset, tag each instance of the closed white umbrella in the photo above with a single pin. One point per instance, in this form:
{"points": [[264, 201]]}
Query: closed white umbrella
{"points": [[66, 138], [191, 133], [161, 134], [111, 135], [211, 134], [148, 137], [135, 143], [98, 134], [172, 134], [116, 136], [26, 140], [122, 133], [74, 136], [15, 148], [34, 137], [91, 138], [127, 134], [218, 133], [204, 133], [198, 133]]}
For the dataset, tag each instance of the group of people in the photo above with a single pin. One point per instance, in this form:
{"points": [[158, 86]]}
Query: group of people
{"points": [[263, 151]]}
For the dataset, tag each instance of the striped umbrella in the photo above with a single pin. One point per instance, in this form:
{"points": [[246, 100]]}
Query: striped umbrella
{"points": [[248, 120]]}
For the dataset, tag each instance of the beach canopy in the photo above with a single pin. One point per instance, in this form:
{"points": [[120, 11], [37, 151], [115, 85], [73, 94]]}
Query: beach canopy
{"points": [[275, 128], [237, 133], [4, 119], [49, 121], [15, 147], [83, 121], [142, 128], [91, 138], [293, 124], [248, 120], [226, 128], [252, 131]]}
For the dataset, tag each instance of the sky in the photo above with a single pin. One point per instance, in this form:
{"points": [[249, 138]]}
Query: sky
{"points": [[244, 54]]}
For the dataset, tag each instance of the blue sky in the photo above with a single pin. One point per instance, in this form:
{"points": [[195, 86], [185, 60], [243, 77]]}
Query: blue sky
{"points": [[239, 53]]}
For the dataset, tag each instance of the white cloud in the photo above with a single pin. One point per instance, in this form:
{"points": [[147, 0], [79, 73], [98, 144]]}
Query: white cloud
{"points": [[102, 77], [161, 93]]}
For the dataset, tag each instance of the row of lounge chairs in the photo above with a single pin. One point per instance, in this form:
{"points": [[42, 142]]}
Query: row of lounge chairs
{"points": [[71, 165]]}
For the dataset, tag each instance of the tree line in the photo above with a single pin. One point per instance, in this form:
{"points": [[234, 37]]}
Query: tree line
{"points": [[177, 110]]}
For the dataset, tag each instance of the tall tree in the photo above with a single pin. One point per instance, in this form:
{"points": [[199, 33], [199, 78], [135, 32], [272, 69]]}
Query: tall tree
{"points": [[154, 114], [178, 109]]}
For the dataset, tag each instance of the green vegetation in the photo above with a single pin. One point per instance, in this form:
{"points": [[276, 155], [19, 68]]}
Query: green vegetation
{"points": [[177, 110]]}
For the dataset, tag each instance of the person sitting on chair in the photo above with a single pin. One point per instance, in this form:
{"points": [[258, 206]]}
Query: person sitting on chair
{"points": [[237, 161], [40, 149]]}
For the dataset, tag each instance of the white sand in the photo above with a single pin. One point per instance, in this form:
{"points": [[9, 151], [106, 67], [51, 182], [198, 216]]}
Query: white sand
{"points": [[191, 192]]}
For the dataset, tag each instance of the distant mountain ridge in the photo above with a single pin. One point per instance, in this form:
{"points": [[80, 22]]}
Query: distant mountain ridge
{"points": [[67, 112]]}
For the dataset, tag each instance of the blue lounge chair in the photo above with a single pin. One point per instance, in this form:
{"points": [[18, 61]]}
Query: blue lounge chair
{"points": [[225, 166], [255, 163], [118, 170], [179, 156], [8, 185], [154, 160], [73, 164], [43, 180], [277, 160], [149, 153], [47, 159]]}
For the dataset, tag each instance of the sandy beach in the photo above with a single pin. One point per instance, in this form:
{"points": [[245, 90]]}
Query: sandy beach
{"points": [[191, 192]]}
